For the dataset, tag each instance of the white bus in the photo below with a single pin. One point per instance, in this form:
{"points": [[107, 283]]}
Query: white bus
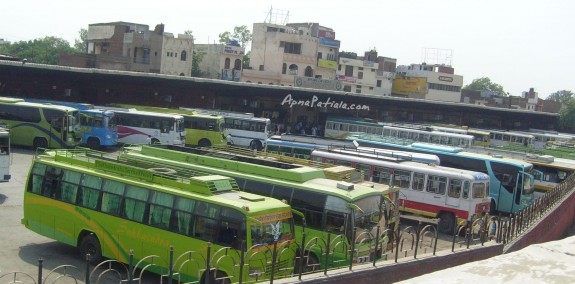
{"points": [[338, 127], [4, 155], [449, 194], [243, 129], [146, 127], [510, 138]]}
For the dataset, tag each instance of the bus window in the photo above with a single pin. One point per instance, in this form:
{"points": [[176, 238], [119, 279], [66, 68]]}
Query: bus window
{"points": [[418, 181], [161, 210], [70, 182], [183, 215], [436, 184], [454, 188], [112, 197], [466, 190]]}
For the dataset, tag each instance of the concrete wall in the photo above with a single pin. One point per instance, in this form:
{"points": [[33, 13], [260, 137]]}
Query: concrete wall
{"points": [[553, 227], [406, 268]]}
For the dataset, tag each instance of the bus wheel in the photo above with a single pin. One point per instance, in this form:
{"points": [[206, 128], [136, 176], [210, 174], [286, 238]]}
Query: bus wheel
{"points": [[155, 141], [40, 142], [91, 245], [93, 143], [213, 278], [310, 263], [256, 145], [446, 221], [204, 143]]}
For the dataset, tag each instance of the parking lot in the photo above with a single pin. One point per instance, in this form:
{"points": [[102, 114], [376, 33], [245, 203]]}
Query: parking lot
{"points": [[22, 249]]}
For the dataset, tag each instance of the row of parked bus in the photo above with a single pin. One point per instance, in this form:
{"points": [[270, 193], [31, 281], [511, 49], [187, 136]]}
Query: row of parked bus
{"points": [[341, 127], [42, 123]]}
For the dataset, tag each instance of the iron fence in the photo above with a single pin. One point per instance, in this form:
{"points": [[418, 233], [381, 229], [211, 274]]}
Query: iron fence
{"points": [[313, 256]]}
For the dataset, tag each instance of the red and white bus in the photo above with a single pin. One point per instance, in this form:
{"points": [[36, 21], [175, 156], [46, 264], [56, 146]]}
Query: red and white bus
{"points": [[428, 190], [146, 127]]}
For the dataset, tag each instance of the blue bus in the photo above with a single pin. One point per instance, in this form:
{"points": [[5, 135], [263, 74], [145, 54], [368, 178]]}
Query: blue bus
{"points": [[512, 182], [97, 126]]}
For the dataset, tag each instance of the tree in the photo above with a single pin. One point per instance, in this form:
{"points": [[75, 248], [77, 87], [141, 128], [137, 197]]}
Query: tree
{"points": [[567, 115], [485, 84], [246, 60], [197, 57], [241, 34], [561, 96], [81, 44], [45, 50], [348, 54]]}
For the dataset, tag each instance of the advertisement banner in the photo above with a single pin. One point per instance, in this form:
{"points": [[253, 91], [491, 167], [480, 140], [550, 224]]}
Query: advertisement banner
{"points": [[317, 83], [406, 86], [329, 64]]}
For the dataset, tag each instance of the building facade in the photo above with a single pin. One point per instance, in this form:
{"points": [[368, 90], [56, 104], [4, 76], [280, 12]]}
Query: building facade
{"points": [[134, 47], [281, 53], [429, 82], [220, 61]]}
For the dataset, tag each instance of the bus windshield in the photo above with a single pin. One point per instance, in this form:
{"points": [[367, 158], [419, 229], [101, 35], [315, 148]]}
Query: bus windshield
{"points": [[179, 125], [368, 216], [273, 228]]}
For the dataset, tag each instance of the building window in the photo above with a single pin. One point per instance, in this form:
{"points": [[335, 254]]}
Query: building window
{"points": [[238, 64], [293, 69], [319, 55], [308, 72], [291, 47], [261, 68], [284, 68], [227, 63], [183, 55], [358, 91], [378, 84], [349, 71], [360, 68], [360, 75], [347, 88]]}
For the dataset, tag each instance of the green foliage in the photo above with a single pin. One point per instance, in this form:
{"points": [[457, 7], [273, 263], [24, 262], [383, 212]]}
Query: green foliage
{"points": [[485, 84], [246, 60], [567, 115], [348, 54], [197, 57], [241, 34], [81, 44], [45, 50], [561, 96]]}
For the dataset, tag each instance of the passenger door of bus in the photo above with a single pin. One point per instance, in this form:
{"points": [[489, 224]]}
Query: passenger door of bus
{"points": [[454, 189]]}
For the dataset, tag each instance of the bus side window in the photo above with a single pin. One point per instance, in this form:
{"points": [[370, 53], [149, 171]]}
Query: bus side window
{"points": [[51, 187]]}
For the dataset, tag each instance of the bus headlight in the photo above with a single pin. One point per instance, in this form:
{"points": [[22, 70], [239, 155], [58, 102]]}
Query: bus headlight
{"points": [[108, 136]]}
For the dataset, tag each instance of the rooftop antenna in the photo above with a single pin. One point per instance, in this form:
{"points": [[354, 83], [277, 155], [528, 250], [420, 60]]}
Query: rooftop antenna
{"points": [[277, 17]]}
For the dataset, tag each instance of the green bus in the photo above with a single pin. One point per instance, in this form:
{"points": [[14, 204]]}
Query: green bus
{"points": [[202, 130], [40, 125], [106, 208], [334, 210]]}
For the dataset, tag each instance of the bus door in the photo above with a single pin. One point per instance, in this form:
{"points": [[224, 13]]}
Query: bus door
{"points": [[454, 191]]}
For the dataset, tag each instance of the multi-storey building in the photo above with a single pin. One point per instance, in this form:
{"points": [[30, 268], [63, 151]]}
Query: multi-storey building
{"points": [[428, 81], [370, 74], [286, 54], [220, 61], [133, 47]]}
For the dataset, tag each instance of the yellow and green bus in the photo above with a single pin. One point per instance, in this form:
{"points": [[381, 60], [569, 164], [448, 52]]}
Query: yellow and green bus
{"points": [[339, 213], [202, 130], [106, 208], [40, 125]]}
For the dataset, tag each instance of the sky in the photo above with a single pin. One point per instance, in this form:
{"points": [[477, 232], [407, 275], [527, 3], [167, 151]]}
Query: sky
{"points": [[550, 262], [517, 44]]}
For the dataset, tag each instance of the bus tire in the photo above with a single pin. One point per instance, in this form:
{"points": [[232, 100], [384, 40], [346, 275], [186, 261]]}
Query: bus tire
{"points": [[91, 245], [204, 143], [93, 143], [40, 142], [256, 145], [309, 265], [155, 141], [445, 225], [213, 278]]}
